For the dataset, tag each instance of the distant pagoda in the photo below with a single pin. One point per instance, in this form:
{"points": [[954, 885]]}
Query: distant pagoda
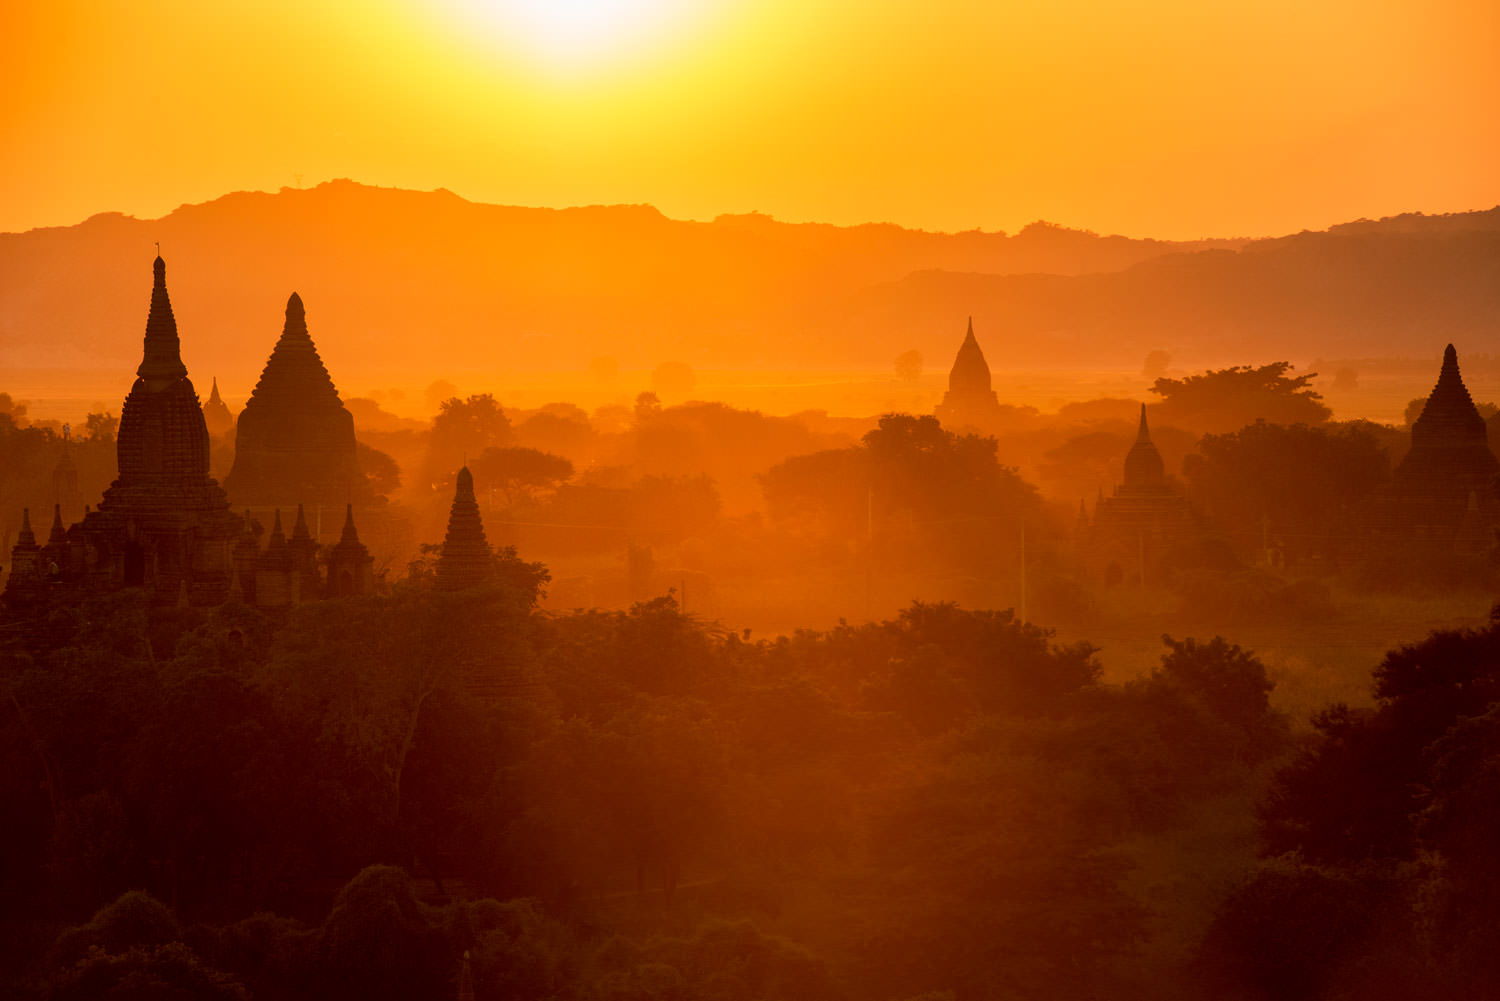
{"points": [[1447, 481], [970, 401], [163, 524], [466, 560], [350, 568], [216, 413], [294, 442], [1144, 516]]}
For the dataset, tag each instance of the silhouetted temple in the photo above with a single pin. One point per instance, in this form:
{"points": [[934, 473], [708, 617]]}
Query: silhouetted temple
{"points": [[216, 414], [466, 560], [1144, 516], [970, 400], [1444, 488], [350, 568], [294, 442], [163, 523]]}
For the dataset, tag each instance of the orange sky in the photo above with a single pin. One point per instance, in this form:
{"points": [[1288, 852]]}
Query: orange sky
{"points": [[1173, 118]]}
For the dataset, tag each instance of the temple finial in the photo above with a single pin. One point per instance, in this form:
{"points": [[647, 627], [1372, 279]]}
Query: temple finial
{"points": [[161, 356]]}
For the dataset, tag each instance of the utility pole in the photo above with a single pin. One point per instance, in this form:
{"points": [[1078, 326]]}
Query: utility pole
{"points": [[1023, 573], [1140, 536], [870, 553]]}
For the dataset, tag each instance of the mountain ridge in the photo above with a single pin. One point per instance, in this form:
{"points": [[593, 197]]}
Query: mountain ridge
{"points": [[419, 285]]}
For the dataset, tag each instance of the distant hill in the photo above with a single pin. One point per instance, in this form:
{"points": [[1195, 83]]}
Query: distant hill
{"points": [[402, 287]]}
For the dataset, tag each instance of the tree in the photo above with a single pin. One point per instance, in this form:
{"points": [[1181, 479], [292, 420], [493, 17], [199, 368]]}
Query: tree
{"points": [[909, 365], [1304, 481], [101, 427], [380, 469], [647, 406], [521, 473], [1230, 398], [461, 430]]}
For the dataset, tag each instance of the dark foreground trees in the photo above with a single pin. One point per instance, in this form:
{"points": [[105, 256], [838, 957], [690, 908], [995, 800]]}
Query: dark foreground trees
{"points": [[626, 804], [1381, 880]]}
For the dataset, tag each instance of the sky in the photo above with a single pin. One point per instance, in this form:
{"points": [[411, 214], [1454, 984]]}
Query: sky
{"points": [[1168, 118]]}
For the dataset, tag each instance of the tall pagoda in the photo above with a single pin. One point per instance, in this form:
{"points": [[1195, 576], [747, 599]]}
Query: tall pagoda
{"points": [[294, 441], [466, 560], [970, 400], [163, 524]]}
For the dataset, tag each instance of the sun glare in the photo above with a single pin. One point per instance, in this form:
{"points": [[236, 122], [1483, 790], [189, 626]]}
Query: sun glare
{"points": [[581, 33]]}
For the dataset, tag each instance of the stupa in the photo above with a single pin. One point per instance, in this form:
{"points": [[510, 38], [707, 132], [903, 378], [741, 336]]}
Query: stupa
{"points": [[970, 400], [294, 442]]}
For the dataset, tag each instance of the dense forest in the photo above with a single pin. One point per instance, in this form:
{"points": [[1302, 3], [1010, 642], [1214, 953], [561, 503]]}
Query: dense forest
{"points": [[349, 799]]}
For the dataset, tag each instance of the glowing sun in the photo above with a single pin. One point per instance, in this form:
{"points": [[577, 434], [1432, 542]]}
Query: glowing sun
{"points": [[582, 32]]}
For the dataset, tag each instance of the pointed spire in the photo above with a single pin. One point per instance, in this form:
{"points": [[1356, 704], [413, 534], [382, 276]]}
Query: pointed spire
{"points": [[350, 536], [1144, 469], [466, 557], [27, 538], [161, 360], [970, 375], [59, 533], [213, 394], [300, 532]]}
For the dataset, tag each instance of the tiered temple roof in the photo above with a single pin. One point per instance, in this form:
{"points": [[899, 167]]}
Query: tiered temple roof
{"points": [[970, 400], [294, 442], [163, 523], [466, 560], [1143, 517], [1449, 461]]}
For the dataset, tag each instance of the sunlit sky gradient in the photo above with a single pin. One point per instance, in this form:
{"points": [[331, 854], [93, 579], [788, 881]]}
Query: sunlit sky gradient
{"points": [[1172, 118]]}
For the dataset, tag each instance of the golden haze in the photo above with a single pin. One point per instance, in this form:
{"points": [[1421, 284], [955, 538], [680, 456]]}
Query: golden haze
{"points": [[1169, 118]]}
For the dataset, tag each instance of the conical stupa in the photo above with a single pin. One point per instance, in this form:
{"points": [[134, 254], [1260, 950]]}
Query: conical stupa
{"points": [[216, 413], [970, 400], [1449, 461], [1141, 520], [466, 560], [294, 441]]}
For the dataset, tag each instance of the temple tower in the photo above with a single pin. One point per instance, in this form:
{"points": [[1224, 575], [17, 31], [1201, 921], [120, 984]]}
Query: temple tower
{"points": [[304, 555], [25, 559], [1142, 518], [466, 560], [277, 583], [163, 523], [970, 400], [1447, 479], [350, 568], [295, 440]]}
